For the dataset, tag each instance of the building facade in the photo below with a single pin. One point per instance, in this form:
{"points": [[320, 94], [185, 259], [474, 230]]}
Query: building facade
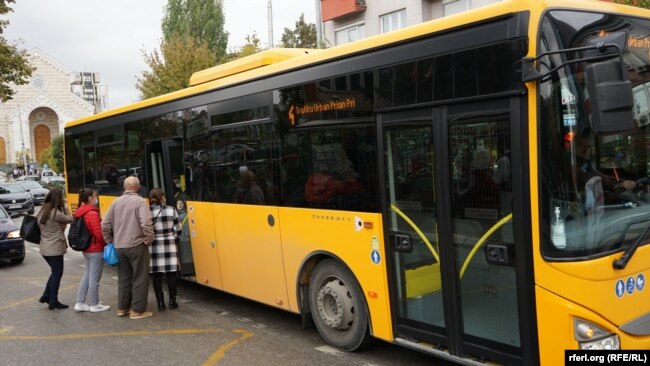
{"points": [[40, 109], [348, 20]]}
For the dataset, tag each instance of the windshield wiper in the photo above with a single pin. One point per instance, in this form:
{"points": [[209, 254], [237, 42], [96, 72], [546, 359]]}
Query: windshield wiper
{"points": [[622, 262]]}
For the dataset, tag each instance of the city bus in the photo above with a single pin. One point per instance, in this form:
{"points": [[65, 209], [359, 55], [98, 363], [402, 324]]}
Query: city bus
{"points": [[474, 187]]}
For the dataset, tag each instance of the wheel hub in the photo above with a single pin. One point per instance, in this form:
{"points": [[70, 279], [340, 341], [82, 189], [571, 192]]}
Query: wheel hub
{"points": [[335, 305]]}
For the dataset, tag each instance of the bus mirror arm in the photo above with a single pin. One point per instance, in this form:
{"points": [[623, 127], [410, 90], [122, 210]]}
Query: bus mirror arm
{"points": [[529, 65]]}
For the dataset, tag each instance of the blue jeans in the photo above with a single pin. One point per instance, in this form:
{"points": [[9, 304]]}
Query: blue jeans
{"points": [[51, 292]]}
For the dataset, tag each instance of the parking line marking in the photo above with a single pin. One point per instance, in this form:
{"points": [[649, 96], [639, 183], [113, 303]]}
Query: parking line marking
{"points": [[12, 305], [62, 337], [221, 351]]}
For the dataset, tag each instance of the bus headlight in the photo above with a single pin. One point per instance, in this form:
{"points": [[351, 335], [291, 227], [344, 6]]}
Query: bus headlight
{"points": [[590, 336]]}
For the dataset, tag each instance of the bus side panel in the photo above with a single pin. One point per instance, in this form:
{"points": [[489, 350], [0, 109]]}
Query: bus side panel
{"points": [[250, 252], [204, 249], [305, 231], [104, 202]]}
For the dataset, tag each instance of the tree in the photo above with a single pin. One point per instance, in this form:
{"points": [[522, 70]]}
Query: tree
{"points": [[14, 67], [53, 155], [303, 36], [172, 66], [19, 158], [202, 20], [251, 47], [639, 3]]}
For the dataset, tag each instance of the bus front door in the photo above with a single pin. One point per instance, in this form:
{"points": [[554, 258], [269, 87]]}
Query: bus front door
{"points": [[166, 170], [448, 218]]}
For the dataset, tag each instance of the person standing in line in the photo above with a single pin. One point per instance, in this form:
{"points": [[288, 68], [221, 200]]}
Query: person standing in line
{"points": [[164, 249], [52, 220], [94, 263], [128, 224]]}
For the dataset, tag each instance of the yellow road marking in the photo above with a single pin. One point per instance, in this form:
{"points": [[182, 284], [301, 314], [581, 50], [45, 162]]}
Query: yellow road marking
{"points": [[12, 305], [103, 335], [221, 351]]}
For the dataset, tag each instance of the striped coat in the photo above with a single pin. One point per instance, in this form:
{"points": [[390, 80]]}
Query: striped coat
{"points": [[167, 229]]}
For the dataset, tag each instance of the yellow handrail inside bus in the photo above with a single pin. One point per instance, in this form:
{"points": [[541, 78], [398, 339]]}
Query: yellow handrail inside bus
{"points": [[417, 230], [482, 240]]}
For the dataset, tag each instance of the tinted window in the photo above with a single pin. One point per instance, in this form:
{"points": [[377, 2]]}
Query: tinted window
{"points": [[74, 160], [461, 74], [332, 168], [240, 168]]}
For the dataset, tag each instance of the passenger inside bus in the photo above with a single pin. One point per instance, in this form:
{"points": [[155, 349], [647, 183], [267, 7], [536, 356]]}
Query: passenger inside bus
{"points": [[586, 169], [322, 187], [248, 191]]}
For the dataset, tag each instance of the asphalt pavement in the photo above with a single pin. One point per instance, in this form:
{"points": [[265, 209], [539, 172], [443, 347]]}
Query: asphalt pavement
{"points": [[209, 328]]}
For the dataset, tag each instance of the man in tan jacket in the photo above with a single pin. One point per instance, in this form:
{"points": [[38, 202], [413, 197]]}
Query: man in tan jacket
{"points": [[128, 224]]}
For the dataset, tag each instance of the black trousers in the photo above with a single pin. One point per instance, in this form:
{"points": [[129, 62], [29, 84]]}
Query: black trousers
{"points": [[171, 284]]}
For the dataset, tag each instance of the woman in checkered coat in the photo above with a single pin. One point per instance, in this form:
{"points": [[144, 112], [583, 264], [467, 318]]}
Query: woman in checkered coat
{"points": [[163, 250]]}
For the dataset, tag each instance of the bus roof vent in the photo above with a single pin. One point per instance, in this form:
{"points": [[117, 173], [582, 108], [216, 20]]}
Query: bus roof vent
{"points": [[247, 63]]}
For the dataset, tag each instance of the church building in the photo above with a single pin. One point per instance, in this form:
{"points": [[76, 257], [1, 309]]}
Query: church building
{"points": [[40, 109]]}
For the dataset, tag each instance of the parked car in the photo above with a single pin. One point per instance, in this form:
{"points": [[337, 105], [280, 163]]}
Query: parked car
{"points": [[47, 173], [36, 189], [12, 246], [54, 182], [15, 199], [35, 178]]}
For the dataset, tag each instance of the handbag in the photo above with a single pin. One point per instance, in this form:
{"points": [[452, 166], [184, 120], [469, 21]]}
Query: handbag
{"points": [[29, 229], [110, 255]]}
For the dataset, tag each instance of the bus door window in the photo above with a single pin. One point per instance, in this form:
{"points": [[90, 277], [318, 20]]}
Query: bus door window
{"points": [[411, 212], [482, 216]]}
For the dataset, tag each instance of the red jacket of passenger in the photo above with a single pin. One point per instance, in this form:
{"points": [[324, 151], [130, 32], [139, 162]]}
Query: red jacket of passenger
{"points": [[94, 225]]}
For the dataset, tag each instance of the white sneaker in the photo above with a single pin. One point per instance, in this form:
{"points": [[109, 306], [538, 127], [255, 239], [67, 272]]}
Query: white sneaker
{"points": [[80, 306], [99, 307]]}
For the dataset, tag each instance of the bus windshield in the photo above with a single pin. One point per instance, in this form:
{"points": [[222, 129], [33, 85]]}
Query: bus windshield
{"points": [[595, 187]]}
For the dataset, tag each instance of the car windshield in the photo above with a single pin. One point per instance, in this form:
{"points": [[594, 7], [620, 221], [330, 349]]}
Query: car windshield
{"points": [[11, 188], [3, 214], [595, 186], [31, 185]]}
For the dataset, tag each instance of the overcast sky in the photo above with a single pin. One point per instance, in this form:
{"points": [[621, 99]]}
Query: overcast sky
{"points": [[108, 36]]}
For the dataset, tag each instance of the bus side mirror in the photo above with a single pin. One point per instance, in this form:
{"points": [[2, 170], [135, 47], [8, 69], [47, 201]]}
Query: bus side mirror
{"points": [[611, 97]]}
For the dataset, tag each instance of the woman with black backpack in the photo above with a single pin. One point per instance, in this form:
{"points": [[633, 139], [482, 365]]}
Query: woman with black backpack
{"points": [[88, 294]]}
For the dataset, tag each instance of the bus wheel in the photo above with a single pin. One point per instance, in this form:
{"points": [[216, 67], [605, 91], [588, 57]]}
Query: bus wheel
{"points": [[338, 306]]}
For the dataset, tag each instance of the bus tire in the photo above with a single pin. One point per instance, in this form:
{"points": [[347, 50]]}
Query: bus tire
{"points": [[338, 306]]}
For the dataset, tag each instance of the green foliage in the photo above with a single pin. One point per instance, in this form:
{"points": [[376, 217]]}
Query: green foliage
{"points": [[19, 158], [14, 67], [202, 20], [251, 47], [639, 3], [53, 155], [302, 36], [172, 66]]}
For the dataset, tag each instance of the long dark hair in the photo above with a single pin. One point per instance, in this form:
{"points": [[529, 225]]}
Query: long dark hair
{"points": [[84, 195], [53, 201]]}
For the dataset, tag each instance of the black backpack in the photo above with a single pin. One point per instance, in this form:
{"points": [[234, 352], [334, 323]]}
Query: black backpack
{"points": [[79, 238]]}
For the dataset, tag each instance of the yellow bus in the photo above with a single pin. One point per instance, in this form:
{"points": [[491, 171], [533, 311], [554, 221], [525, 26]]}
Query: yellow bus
{"points": [[474, 187]]}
